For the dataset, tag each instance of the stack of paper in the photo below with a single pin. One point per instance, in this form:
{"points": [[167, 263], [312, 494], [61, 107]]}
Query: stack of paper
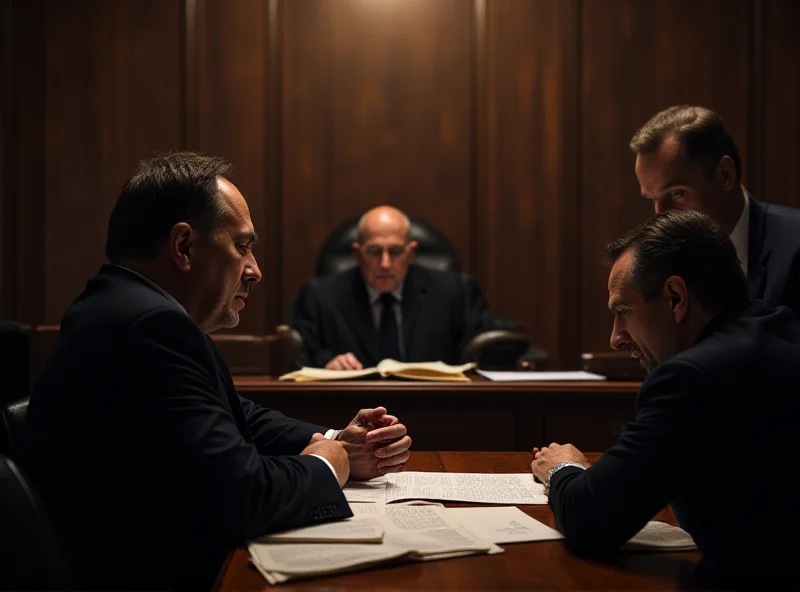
{"points": [[384, 529], [410, 532]]}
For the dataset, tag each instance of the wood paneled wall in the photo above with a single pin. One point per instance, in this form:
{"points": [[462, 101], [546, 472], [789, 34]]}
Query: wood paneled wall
{"points": [[503, 122]]}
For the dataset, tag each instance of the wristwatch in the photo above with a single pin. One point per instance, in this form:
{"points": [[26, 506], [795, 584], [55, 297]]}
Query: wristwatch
{"points": [[557, 468]]}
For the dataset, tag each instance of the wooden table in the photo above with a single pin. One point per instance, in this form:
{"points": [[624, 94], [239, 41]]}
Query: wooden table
{"points": [[477, 415], [524, 566]]}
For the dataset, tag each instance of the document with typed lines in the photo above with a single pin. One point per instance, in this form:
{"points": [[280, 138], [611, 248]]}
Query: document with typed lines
{"points": [[487, 488]]}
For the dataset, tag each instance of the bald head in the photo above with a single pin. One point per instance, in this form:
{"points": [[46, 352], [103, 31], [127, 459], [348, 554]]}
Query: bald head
{"points": [[383, 220], [383, 250]]}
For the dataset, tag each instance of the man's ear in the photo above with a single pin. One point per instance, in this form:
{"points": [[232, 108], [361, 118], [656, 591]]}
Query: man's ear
{"points": [[357, 253], [726, 173], [412, 249], [182, 239], [675, 290]]}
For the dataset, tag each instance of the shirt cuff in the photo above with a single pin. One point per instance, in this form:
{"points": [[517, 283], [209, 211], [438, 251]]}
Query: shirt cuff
{"points": [[330, 466], [332, 434]]}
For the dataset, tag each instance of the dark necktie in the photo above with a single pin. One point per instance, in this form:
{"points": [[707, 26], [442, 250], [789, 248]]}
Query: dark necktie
{"points": [[388, 339]]}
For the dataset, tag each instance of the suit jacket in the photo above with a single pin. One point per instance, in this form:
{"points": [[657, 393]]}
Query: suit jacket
{"points": [[714, 435], [440, 314], [151, 464], [773, 254]]}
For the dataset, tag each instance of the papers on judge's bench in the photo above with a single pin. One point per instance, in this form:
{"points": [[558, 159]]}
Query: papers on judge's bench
{"points": [[541, 376]]}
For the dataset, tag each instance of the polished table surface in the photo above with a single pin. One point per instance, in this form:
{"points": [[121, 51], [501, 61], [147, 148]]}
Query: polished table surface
{"points": [[479, 415], [523, 566]]}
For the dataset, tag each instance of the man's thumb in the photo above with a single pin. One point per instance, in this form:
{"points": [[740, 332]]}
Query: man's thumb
{"points": [[316, 438], [369, 418]]}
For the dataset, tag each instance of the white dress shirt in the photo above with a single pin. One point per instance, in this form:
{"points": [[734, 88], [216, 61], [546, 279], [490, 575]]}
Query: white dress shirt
{"points": [[740, 237]]}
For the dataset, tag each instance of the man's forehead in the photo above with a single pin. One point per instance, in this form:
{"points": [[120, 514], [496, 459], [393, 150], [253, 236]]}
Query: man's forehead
{"points": [[620, 272]]}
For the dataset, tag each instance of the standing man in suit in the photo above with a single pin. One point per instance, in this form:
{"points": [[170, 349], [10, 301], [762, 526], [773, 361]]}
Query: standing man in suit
{"points": [[715, 418], [387, 307], [150, 462], [686, 159]]}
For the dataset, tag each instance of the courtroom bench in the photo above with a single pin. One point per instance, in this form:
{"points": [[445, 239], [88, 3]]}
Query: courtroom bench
{"points": [[476, 415]]}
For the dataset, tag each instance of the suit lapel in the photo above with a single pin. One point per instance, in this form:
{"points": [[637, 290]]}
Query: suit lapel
{"points": [[414, 291], [757, 255], [230, 391], [358, 309]]}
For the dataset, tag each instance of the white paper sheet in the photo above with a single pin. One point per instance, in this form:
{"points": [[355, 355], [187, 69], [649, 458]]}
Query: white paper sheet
{"points": [[504, 524], [372, 491], [540, 376], [660, 536], [490, 488], [359, 529]]}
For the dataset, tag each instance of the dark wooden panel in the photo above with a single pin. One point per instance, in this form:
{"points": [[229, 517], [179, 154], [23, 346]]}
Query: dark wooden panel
{"points": [[226, 116], [638, 58], [780, 117], [527, 195], [22, 180], [376, 109], [113, 87], [476, 415]]}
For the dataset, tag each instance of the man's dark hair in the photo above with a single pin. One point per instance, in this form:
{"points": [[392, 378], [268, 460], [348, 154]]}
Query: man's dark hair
{"points": [[179, 186], [701, 134], [688, 244]]}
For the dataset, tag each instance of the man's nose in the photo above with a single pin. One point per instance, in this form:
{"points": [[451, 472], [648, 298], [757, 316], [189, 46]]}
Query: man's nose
{"points": [[619, 337], [663, 205], [386, 260], [252, 274]]}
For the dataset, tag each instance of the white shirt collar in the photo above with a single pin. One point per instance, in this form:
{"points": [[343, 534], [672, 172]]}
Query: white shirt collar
{"points": [[740, 235], [374, 295], [152, 284]]}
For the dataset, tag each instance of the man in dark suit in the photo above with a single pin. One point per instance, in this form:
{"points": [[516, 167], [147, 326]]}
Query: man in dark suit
{"points": [[715, 419], [387, 307], [685, 158], [151, 464]]}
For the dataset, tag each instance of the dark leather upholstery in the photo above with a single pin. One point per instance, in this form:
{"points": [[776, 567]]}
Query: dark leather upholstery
{"points": [[12, 419], [31, 557], [15, 354], [434, 250]]}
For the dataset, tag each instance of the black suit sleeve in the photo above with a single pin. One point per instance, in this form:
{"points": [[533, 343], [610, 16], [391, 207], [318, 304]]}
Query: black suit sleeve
{"points": [[601, 508], [274, 433], [307, 320], [189, 448]]}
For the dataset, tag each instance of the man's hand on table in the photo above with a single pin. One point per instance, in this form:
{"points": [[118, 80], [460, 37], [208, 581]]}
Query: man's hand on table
{"points": [[333, 452], [344, 362], [376, 444], [548, 457]]}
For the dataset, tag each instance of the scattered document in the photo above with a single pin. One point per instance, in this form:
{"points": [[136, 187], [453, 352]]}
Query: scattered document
{"points": [[487, 488], [503, 524], [372, 491], [578, 375], [388, 367], [359, 529], [660, 536], [412, 532]]}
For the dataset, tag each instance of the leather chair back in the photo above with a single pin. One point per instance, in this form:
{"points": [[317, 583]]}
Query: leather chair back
{"points": [[12, 420], [15, 355], [31, 557], [434, 250]]}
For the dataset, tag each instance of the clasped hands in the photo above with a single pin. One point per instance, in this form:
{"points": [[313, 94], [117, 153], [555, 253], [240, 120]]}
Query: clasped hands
{"points": [[373, 444]]}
